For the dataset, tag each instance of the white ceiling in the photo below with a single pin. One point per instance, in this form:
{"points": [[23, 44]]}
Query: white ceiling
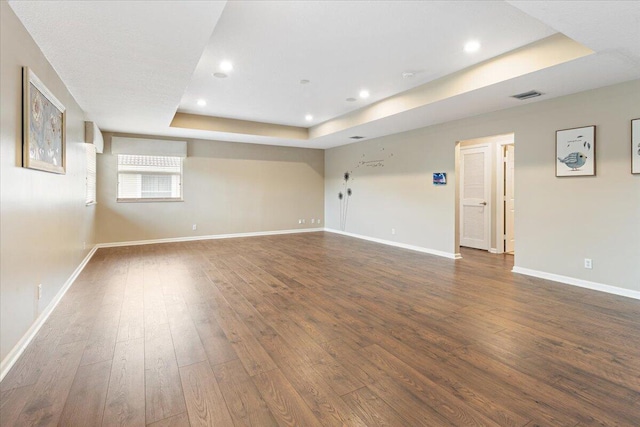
{"points": [[132, 65], [127, 63], [342, 47]]}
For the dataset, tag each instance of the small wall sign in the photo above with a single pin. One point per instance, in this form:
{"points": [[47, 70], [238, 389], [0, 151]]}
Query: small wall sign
{"points": [[439, 178]]}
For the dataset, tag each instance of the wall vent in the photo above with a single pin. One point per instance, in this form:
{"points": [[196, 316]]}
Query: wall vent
{"points": [[356, 137], [526, 95]]}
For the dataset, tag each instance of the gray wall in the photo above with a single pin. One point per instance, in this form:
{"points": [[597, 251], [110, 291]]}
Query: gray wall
{"points": [[228, 188], [559, 221], [44, 220]]}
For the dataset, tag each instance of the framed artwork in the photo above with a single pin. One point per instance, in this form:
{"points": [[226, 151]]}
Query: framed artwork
{"points": [[576, 151], [635, 146], [43, 126], [439, 178]]}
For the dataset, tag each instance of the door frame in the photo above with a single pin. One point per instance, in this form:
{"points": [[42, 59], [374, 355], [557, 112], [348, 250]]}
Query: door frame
{"points": [[500, 177], [505, 138]]}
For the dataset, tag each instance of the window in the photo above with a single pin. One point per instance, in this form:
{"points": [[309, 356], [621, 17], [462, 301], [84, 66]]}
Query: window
{"points": [[90, 196], [149, 178]]}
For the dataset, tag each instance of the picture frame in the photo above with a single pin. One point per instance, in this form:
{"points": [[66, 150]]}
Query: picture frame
{"points": [[43, 126], [439, 178], [576, 151], [635, 146]]}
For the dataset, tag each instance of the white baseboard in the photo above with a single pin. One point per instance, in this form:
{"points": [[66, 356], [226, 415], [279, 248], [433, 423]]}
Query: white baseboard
{"points": [[578, 282], [396, 244], [209, 237], [11, 358]]}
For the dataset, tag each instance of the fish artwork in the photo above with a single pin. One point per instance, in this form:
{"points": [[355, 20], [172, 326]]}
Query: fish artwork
{"points": [[574, 160]]}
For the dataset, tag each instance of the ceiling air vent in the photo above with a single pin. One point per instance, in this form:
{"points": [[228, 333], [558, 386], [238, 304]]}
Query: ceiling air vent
{"points": [[526, 95], [356, 137]]}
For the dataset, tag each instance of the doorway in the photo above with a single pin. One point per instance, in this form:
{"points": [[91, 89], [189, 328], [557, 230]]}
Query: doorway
{"points": [[485, 194]]}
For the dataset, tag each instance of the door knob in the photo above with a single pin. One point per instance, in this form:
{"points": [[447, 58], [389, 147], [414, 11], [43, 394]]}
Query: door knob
{"points": [[483, 203]]}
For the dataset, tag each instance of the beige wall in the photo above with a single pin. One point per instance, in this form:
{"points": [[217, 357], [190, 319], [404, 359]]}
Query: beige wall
{"points": [[228, 188], [236, 188], [44, 220], [559, 221]]}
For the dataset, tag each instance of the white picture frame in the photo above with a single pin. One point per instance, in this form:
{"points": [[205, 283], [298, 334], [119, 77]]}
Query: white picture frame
{"points": [[576, 152]]}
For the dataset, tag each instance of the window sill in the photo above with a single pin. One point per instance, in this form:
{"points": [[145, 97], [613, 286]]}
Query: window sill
{"points": [[148, 200]]}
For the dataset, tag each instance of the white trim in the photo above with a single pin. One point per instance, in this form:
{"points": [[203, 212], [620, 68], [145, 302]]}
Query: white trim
{"points": [[498, 168], [11, 358], [397, 244], [501, 156], [92, 135], [578, 282], [148, 147], [209, 237]]}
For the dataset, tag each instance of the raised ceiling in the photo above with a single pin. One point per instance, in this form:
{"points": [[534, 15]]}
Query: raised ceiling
{"points": [[141, 67], [341, 48]]}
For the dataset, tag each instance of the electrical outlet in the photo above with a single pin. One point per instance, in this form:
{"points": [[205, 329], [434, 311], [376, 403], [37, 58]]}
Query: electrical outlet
{"points": [[588, 263], [194, 227], [393, 231], [299, 221], [40, 291], [303, 221], [318, 221], [313, 221]]}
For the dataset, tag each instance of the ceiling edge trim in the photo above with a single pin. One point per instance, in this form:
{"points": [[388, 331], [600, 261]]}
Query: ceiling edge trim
{"points": [[545, 53], [244, 127]]}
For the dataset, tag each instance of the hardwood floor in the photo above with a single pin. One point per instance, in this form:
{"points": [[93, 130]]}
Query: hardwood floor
{"points": [[320, 329]]}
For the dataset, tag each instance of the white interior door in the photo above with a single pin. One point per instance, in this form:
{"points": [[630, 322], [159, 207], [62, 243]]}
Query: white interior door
{"points": [[475, 197], [509, 207]]}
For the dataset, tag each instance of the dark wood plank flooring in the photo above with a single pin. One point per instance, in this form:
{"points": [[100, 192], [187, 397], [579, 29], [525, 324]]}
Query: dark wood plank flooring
{"points": [[320, 329]]}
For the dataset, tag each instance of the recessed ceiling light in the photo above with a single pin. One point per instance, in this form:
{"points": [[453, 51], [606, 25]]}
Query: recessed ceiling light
{"points": [[351, 100], [305, 81], [308, 117], [472, 46], [220, 75], [202, 102], [364, 94], [226, 66]]}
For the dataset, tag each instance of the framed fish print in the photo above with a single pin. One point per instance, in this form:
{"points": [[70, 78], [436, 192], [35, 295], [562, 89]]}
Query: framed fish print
{"points": [[43, 126], [576, 151], [635, 146]]}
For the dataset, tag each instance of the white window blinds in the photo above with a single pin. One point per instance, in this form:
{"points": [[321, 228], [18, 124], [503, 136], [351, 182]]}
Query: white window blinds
{"points": [[146, 178]]}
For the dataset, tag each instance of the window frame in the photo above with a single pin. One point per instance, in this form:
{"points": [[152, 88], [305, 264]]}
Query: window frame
{"points": [[149, 199]]}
